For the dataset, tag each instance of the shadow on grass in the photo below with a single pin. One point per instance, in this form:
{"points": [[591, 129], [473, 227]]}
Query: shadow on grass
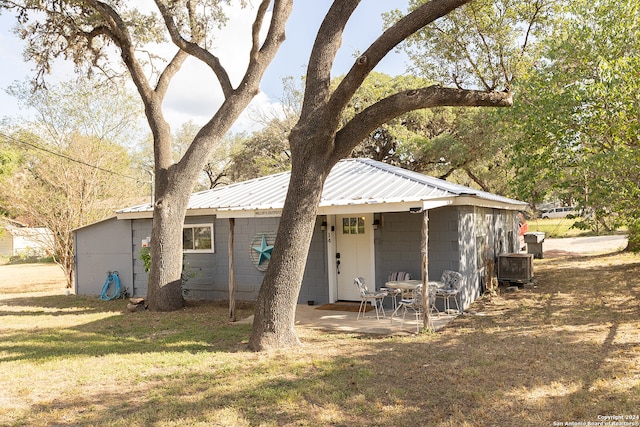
{"points": [[566, 351], [97, 328], [36, 303], [479, 378]]}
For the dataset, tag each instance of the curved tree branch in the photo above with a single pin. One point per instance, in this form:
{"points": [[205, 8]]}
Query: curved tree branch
{"points": [[170, 70], [475, 178], [151, 98], [121, 37], [325, 47], [261, 56], [397, 104], [257, 26], [239, 98], [387, 41], [193, 49]]}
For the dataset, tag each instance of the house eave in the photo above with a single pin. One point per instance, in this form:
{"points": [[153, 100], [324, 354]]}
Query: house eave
{"points": [[353, 207], [472, 200], [135, 215]]}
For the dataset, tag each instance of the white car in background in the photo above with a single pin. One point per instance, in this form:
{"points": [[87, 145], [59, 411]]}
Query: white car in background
{"points": [[561, 212]]}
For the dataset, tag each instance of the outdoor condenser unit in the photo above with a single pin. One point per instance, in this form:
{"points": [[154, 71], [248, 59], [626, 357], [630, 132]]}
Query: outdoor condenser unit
{"points": [[517, 268]]}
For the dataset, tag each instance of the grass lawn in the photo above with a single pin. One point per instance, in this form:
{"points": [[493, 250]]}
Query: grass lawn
{"points": [[557, 227], [567, 350]]}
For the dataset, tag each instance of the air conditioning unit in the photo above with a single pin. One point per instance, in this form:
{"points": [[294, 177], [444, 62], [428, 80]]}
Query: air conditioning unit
{"points": [[516, 268]]}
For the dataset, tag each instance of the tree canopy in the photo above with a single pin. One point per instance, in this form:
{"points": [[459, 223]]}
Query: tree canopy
{"points": [[453, 143], [486, 44], [69, 166], [114, 37], [575, 126]]}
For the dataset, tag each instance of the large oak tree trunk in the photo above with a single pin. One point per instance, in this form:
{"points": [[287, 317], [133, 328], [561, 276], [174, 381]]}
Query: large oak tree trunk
{"points": [[274, 320], [165, 278], [99, 29], [174, 183]]}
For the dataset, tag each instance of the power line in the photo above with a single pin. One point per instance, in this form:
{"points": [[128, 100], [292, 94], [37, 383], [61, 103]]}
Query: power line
{"points": [[64, 156]]}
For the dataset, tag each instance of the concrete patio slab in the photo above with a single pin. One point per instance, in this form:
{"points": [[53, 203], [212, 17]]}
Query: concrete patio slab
{"points": [[347, 322]]}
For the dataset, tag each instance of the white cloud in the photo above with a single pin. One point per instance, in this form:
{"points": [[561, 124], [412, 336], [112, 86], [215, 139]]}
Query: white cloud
{"points": [[249, 119]]}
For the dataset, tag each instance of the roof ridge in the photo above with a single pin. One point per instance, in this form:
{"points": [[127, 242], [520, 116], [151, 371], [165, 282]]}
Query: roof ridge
{"points": [[351, 181], [416, 176], [237, 183]]}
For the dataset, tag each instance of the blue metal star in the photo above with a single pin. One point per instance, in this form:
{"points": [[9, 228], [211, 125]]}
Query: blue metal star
{"points": [[264, 250]]}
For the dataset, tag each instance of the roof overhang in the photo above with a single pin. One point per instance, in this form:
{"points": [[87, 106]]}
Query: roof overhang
{"points": [[353, 207], [353, 186]]}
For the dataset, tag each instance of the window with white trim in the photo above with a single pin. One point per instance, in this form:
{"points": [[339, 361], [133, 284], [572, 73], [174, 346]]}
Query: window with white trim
{"points": [[353, 225], [197, 238]]}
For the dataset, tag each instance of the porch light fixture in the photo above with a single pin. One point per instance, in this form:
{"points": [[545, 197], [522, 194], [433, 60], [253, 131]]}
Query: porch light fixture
{"points": [[323, 224], [415, 210], [377, 221]]}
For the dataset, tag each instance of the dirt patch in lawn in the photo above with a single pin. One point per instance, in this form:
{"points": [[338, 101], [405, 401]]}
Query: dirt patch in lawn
{"points": [[29, 278]]}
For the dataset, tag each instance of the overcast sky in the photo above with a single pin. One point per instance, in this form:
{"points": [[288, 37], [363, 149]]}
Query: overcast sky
{"points": [[194, 94]]}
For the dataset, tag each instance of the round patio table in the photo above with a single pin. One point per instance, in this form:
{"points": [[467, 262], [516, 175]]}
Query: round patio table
{"points": [[407, 286], [404, 285]]}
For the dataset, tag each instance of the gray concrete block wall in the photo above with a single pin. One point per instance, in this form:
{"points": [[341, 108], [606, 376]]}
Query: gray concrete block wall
{"points": [[140, 229], [397, 245], [102, 247], [201, 268], [248, 277], [315, 283], [468, 254], [498, 241], [212, 270], [514, 240], [444, 241], [496, 225]]}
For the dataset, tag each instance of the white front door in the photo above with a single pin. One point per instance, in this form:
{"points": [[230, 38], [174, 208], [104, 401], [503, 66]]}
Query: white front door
{"points": [[354, 246]]}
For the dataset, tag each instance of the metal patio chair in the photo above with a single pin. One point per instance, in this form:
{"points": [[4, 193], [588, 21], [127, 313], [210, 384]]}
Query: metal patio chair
{"points": [[366, 295], [414, 304], [451, 285], [394, 292]]}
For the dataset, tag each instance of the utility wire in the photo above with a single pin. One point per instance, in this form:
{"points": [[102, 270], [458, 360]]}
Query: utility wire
{"points": [[64, 156]]}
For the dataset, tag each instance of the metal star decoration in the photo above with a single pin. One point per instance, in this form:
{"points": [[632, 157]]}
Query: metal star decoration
{"points": [[264, 250]]}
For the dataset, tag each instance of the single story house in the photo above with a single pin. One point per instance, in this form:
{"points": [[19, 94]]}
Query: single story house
{"points": [[369, 224], [18, 239]]}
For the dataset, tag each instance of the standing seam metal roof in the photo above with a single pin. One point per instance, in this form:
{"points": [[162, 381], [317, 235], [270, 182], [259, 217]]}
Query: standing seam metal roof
{"points": [[351, 181]]}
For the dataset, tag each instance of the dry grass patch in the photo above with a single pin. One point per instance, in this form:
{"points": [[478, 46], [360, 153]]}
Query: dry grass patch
{"points": [[567, 350], [25, 278]]}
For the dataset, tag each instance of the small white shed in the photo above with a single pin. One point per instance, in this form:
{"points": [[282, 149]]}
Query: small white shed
{"points": [[19, 239]]}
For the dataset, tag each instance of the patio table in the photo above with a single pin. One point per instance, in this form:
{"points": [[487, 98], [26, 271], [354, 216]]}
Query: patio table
{"points": [[408, 286], [405, 285]]}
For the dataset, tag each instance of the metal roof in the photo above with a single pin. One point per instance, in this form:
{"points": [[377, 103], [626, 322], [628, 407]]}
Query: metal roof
{"points": [[351, 182]]}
